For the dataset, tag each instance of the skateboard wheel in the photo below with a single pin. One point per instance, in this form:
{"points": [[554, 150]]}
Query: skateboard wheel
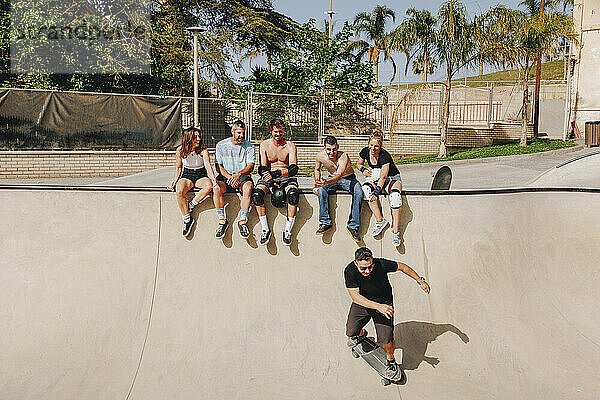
{"points": [[385, 382], [355, 354]]}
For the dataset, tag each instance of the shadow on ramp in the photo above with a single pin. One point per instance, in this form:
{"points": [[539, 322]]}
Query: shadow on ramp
{"points": [[413, 337]]}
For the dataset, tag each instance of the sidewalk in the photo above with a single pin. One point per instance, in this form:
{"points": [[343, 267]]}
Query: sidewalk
{"points": [[484, 173], [493, 172]]}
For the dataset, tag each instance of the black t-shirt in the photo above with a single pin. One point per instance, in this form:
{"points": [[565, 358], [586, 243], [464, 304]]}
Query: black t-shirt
{"points": [[375, 287], [384, 158]]}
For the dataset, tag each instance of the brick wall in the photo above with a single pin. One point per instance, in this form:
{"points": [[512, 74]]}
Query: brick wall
{"points": [[82, 164], [484, 136]]}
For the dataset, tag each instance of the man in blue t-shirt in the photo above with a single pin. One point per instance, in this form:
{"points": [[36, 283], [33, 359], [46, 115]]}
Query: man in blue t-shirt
{"points": [[234, 157], [371, 292]]}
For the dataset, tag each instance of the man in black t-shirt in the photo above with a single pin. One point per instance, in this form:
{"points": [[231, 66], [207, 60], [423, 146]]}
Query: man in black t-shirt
{"points": [[371, 292]]}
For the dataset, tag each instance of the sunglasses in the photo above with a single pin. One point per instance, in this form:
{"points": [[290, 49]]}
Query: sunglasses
{"points": [[366, 268]]}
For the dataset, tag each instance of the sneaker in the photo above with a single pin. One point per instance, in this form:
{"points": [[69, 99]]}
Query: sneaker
{"points": [[323, 228], [264, 237], [287, 238], [221, 229], [379, 227], [187, 227], [244, 231], [396, 241], [354, 340], [354, 234], [392, 369]]}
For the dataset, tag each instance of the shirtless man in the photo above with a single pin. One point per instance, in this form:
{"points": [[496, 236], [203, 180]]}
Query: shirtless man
{"points": [[341, 177], [278, 158]]}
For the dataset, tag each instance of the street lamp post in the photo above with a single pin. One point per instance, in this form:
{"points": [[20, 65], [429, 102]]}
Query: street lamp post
{"points": [[195, 31], [330, 13]]}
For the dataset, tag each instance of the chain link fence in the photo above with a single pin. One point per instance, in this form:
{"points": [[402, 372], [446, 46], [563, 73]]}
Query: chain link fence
{"points": [[301, 114], [347, 113], [133, 121], [215, 117]]}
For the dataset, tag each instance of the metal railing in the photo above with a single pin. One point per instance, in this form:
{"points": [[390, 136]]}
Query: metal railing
{"points": [[310, 117]]}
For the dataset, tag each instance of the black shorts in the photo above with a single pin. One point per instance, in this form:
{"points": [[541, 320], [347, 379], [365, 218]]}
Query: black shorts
{"points": [[282, 182], [359, 316], [193, 174], [243, 179]]}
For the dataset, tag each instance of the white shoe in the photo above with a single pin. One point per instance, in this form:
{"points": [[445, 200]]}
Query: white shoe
{"points": [[396, 241], [380, 226]]}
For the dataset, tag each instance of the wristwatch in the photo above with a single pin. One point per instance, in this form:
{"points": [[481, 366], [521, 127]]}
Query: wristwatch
{"points": [[421, 280]]}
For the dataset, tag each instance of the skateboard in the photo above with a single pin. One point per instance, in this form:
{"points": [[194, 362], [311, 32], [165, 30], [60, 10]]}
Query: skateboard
{"points": [[442, 179], [375, 356]]}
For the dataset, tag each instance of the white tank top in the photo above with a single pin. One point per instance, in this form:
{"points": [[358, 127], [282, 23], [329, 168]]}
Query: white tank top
{"points": [[193, 161]]}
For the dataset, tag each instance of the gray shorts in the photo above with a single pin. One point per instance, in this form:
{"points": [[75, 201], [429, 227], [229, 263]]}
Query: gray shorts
{"points": [[393, 178], [359, 316]]}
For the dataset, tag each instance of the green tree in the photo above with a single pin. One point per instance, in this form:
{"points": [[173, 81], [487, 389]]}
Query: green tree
{"points": [[232, 25], [310, 63], [418, 31], [454, 49], [264, 32], [378, 41], [515, 39]]}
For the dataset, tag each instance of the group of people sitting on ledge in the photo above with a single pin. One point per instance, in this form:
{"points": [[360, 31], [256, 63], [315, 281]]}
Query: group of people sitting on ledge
{"points": [[278, 159]]}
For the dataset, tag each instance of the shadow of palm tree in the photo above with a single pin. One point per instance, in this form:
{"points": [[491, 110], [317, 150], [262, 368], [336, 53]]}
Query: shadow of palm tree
{"points": [[413, 337]]}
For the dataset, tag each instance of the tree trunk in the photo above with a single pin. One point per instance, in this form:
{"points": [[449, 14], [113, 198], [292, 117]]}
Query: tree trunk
{"points": [[525, 114], [445, 117], [426, 59], [376, 71]]}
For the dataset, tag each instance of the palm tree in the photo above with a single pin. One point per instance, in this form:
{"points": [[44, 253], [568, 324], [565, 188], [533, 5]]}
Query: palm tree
{"points": [[516, 38], [454, 48], [373, 25], [482, 55], [417, 35], [423, 65]]}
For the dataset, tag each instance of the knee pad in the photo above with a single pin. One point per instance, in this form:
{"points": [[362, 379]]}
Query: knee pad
{"points": [[258, 197], [278, 197], [293, 196], [395, 198], [367, 188]]}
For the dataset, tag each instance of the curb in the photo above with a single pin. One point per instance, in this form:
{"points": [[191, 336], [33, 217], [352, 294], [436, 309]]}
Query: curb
{"points": [[491, 159]]}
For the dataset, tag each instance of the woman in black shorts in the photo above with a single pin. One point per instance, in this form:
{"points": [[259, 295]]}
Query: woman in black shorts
{"points": [[192, 169], [382, 177]]}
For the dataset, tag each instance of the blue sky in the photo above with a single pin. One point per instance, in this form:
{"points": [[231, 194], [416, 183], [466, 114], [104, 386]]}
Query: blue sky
{"points": [[303, 10]]}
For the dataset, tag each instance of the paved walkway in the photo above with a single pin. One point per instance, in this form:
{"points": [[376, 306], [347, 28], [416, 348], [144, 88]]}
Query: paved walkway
{"points": [[494, 172]]}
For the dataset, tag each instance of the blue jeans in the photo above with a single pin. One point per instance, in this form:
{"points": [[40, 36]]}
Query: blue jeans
{"points": [[349, 184]]}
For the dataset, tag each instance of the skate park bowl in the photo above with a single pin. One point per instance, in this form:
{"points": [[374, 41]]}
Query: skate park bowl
{"points": [[103, 298], [583, 171]]}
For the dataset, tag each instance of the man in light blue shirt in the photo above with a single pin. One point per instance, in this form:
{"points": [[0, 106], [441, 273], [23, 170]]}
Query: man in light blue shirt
{"points": [[234, 157]]}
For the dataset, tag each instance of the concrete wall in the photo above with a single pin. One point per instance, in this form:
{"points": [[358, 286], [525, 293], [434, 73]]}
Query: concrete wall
{"points": [[585, 104]]}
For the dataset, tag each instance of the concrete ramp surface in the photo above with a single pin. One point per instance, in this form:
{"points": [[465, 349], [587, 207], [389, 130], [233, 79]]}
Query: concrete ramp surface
{"points": [[102, 298]]}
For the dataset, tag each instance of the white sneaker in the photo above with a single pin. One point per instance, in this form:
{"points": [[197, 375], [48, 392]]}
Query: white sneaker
{"points": [[380, 226], [396, 241]]}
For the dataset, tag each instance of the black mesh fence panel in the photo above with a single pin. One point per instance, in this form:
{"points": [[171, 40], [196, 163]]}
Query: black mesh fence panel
{"points": [[32, 119]]}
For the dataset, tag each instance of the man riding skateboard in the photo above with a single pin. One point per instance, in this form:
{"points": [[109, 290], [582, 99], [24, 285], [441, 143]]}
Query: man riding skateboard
{"points": [[371, 292]]}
